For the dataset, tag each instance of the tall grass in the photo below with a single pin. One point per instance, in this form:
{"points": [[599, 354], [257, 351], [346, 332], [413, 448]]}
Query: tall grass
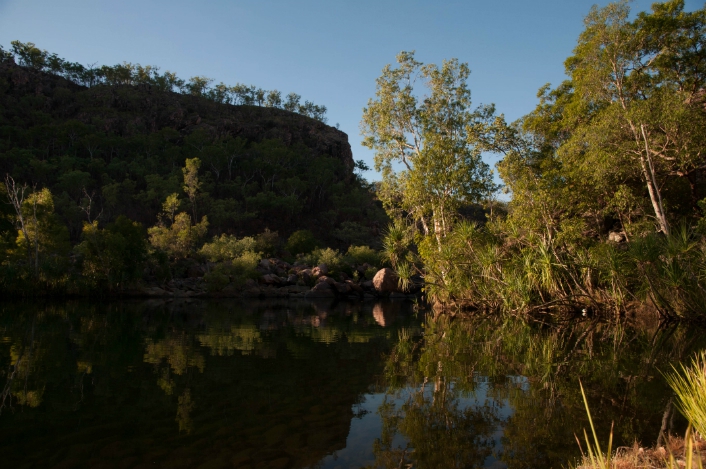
{"points": [[596, 456], [689, 385], [498, 267]]}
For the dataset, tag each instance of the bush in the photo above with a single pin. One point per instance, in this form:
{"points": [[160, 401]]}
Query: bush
{"points": [[301, 242], [227, 247], [267, 243], [362, 255], [216, 280], [237, 271], [331, 257], [370, 273]]}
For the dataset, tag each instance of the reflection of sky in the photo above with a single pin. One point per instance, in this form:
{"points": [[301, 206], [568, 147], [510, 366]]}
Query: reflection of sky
{"points": [[365, 429]]}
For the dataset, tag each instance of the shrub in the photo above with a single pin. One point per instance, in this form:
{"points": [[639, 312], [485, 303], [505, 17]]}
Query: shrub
{"points": [[267, 243], [331, 257], [227, 247], [363, 254], [216, 280], [301, 242], [370, 273], [237, 271]]}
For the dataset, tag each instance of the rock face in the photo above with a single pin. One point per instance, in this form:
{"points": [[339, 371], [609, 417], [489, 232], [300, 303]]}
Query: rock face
{"points": [[386, 281]]}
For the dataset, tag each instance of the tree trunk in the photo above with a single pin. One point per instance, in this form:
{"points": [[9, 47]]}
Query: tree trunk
{"points": [[648, 173], [438, 230]]}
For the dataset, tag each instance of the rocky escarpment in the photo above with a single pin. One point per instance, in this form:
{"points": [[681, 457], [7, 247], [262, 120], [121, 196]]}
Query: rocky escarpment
{"points": [[125, 111]]}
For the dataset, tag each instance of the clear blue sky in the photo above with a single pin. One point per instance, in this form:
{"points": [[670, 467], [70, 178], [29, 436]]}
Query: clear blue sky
{"points": [[328, 51]]}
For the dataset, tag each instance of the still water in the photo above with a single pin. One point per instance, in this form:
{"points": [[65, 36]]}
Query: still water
{"points": [[299, 384]]}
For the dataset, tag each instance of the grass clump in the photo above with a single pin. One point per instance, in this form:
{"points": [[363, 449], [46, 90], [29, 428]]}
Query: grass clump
{"points": [[689, 385]]}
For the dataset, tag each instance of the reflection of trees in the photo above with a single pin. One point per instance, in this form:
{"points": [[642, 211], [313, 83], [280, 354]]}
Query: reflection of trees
{"points": [[178, 352], [22, 386], [440, 431], [243, 338], [441, 423], [533, 369], [184, 409], [138, 374]]}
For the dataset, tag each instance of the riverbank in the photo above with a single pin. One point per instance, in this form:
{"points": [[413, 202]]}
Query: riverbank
{"points": [[658, 457]]}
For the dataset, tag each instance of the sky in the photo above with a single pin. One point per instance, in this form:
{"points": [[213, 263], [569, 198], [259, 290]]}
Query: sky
{"points": [[328, 51]]}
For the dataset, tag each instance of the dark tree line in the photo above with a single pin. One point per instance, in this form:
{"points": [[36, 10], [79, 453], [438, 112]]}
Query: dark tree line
{"points": [[29, 55]]}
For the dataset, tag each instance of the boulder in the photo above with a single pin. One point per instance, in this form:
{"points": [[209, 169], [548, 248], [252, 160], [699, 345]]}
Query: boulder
{"points": [[321, 290], [292, 279], [354, 286], [321, 269], [342, 288], [326, 279], [271, 279], [386, 281], [265, 264], [154, 291]]}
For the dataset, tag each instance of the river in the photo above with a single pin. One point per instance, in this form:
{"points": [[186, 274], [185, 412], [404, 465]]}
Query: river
{"points": [[303, 384]]}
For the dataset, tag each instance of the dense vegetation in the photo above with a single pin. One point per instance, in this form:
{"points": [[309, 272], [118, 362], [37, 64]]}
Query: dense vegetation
{"points": [[606, 175], [111, 176]]}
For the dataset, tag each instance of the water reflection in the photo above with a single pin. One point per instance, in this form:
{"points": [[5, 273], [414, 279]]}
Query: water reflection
{"points": [[300, 384], [512, 387], [185, 384]]}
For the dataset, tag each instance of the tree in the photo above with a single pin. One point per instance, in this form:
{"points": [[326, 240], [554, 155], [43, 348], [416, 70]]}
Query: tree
{"points": [[641, 83], [292, 102], [437, 140], [114, 254], [180, 238], [192, 185]]}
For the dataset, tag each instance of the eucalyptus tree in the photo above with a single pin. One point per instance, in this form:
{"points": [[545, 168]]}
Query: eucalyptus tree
{"points": [[429, 147], [639, 88]]}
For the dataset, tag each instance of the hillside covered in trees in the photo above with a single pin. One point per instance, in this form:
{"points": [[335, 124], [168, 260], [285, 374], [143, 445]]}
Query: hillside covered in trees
{"points": [[83, 149]]}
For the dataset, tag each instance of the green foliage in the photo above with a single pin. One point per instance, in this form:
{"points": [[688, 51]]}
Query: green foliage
{"points": [[113, 255], [331, 257], [689, 384], [370, 273], [363, 254], [180, 238], [101, 161], [437, 139], [301, 242], [42, 236], [609, 153], [234, 272], [227, 247], [396, 242], [267, 243]]}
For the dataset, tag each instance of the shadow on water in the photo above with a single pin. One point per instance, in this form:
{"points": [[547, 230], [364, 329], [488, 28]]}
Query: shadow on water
{"points": [[187, 384], [295, 384]]}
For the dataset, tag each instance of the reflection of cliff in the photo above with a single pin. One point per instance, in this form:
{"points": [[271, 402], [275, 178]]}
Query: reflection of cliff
{"points": [[182, 385]]}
